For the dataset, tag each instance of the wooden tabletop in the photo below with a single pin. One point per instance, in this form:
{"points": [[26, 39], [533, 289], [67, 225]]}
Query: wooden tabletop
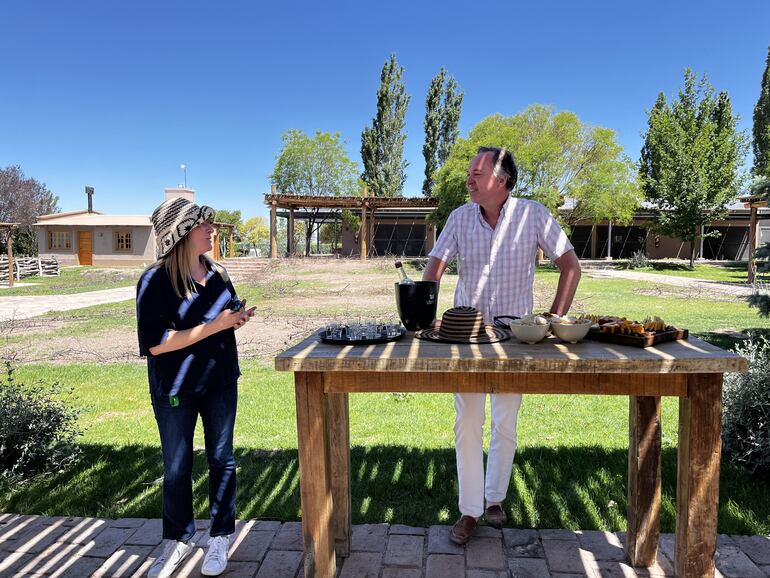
{"points": [[551, 355]]}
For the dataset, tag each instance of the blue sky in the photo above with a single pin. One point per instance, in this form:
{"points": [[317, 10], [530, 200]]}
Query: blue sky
{"points": [[118, 94]]}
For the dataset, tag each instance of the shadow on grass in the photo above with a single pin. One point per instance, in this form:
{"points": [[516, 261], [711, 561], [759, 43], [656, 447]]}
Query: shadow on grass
{"points": [[730, 340], [565, 487]]}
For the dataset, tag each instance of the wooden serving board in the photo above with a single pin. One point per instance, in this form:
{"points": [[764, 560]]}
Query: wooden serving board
{"points": [[646, 340]]}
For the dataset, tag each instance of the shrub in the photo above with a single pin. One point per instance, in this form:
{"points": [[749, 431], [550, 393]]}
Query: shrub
{"points": [[746, 414], [38, 428], [638, 260]]}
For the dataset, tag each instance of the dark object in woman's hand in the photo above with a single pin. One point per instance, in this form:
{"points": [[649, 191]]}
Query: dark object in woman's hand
{"points": [[236, 305]]}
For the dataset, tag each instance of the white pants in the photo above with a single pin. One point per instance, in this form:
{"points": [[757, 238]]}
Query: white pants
{"points": [[469, 436]]}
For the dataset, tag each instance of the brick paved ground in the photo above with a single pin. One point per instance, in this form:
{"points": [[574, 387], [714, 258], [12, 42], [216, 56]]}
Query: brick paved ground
{"points": [[75, 547]]}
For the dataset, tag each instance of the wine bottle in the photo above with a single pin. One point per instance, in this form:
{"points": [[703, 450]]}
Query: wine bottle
{"points": [[403, 277]]}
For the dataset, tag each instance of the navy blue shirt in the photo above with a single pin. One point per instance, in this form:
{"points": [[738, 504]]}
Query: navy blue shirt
{"points": [[209, 363]]}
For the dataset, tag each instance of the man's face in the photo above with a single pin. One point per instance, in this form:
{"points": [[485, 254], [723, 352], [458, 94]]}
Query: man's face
{"points": [[483, 186]]}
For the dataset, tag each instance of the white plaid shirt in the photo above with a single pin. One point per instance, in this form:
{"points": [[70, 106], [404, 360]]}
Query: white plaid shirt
{"points": [[497, 266]]}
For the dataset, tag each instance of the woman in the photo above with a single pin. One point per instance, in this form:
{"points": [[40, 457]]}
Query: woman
{"points": [[187, 311]]}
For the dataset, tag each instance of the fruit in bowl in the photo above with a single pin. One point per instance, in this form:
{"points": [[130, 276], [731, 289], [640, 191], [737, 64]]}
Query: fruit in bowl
{"points": [[530, 330], [571, 329]]}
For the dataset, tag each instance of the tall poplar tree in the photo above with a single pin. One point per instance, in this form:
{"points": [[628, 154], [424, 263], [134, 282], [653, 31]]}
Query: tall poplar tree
{"points": [[443, 107], [691, 159], [450, 119], [761, 128], [382, 143]]}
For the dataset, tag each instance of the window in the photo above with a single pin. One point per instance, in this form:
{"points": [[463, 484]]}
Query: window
{"points": [[123, 241], [59, 240]]}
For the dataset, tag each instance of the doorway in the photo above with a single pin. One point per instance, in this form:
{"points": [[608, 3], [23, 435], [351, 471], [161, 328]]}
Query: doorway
{"points": [[85, 248]]}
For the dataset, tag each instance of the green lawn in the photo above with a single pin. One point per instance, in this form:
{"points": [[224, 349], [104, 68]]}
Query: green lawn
{"points": [[733, 273], [633, 299], [75, 280], [570, 471]]}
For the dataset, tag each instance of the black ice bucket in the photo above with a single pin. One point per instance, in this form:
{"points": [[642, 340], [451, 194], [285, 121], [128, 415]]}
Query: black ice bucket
{"points": [[417, 304]]}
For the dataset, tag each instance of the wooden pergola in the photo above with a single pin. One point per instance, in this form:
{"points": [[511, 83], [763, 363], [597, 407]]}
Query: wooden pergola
{"points": [[8, 228], [753, 203], [366, 205], [230, 244]]}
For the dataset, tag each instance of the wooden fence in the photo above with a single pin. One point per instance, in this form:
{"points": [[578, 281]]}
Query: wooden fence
{"points": [[28, 266]]}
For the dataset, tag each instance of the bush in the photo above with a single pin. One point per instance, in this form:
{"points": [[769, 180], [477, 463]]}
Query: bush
{"points": [[638, 260], [746, 414], [38, 428]]}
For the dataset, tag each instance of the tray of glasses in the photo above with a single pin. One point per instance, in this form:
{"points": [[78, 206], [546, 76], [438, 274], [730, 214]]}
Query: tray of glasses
{"points": [[361, 334]]}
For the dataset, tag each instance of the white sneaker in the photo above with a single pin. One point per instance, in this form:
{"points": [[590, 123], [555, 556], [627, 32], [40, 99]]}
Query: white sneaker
{"points": [[215, 561], [172, 556]]}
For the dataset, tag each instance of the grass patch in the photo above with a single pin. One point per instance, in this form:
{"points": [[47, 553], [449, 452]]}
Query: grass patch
{"points": [[733, 273], [570, 471], [75, 280]]}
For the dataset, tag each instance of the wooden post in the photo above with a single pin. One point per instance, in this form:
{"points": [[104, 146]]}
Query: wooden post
{"points": [[315, 475], [371, 232], [697, 476], [362, 234], [290, 233], [10, 256], [339, 456], [273, 231], [430, 236], [594, 240], [231, 251], [644, 437], [752, 273]]}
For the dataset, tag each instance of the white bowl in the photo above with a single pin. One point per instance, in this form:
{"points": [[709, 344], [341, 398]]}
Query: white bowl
{"points": [[572, 332], [528, 333]]}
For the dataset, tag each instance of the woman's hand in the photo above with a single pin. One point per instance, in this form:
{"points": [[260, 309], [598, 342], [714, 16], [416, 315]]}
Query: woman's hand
{"points": [[246, 315], [227, 319]]}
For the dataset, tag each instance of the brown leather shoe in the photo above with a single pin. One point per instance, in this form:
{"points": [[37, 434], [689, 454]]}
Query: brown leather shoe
{"points": [[463, 530], [495, 516]]}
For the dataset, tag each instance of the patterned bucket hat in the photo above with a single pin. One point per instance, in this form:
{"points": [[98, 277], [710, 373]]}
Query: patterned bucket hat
{"points": [[463, 325], [173, 219]]}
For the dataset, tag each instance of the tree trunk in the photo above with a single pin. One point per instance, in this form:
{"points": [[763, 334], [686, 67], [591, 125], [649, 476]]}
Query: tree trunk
{"points": [[692, 253]]}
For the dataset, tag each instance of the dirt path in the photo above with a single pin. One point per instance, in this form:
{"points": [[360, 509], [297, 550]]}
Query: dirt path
{"points": [[17, 307]]}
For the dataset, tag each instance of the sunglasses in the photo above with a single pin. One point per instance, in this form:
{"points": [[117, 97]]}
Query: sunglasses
{"points": [[237, 305]]}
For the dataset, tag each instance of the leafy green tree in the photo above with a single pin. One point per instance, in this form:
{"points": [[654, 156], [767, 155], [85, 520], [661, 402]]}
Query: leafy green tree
{"points": [[382, 143], [558, 157], [761, 127], [331, 234], [256, 233], [233, 218], [22, 200], [316, 166], [690, 162], [443, 106]]}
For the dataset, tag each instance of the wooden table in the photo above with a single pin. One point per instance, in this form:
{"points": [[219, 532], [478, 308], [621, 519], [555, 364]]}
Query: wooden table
{"points": [[690, 370]]}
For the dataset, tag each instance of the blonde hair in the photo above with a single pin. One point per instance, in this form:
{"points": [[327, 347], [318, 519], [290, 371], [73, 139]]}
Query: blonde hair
{"points": [[178, 265]]}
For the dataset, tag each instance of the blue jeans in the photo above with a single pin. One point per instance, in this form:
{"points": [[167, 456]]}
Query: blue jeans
{"points": [[177, 426]]}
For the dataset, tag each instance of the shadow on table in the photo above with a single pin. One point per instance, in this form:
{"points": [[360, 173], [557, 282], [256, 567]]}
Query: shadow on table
{"points": [[563, 487]]}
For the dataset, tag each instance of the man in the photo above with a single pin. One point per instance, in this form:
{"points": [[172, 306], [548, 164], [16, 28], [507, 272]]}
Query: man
{"points": [[495, 239]]}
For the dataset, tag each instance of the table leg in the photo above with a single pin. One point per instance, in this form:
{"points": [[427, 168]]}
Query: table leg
{"points": [[643, 480], [315, 478], [697, 488], [339, 455]]}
